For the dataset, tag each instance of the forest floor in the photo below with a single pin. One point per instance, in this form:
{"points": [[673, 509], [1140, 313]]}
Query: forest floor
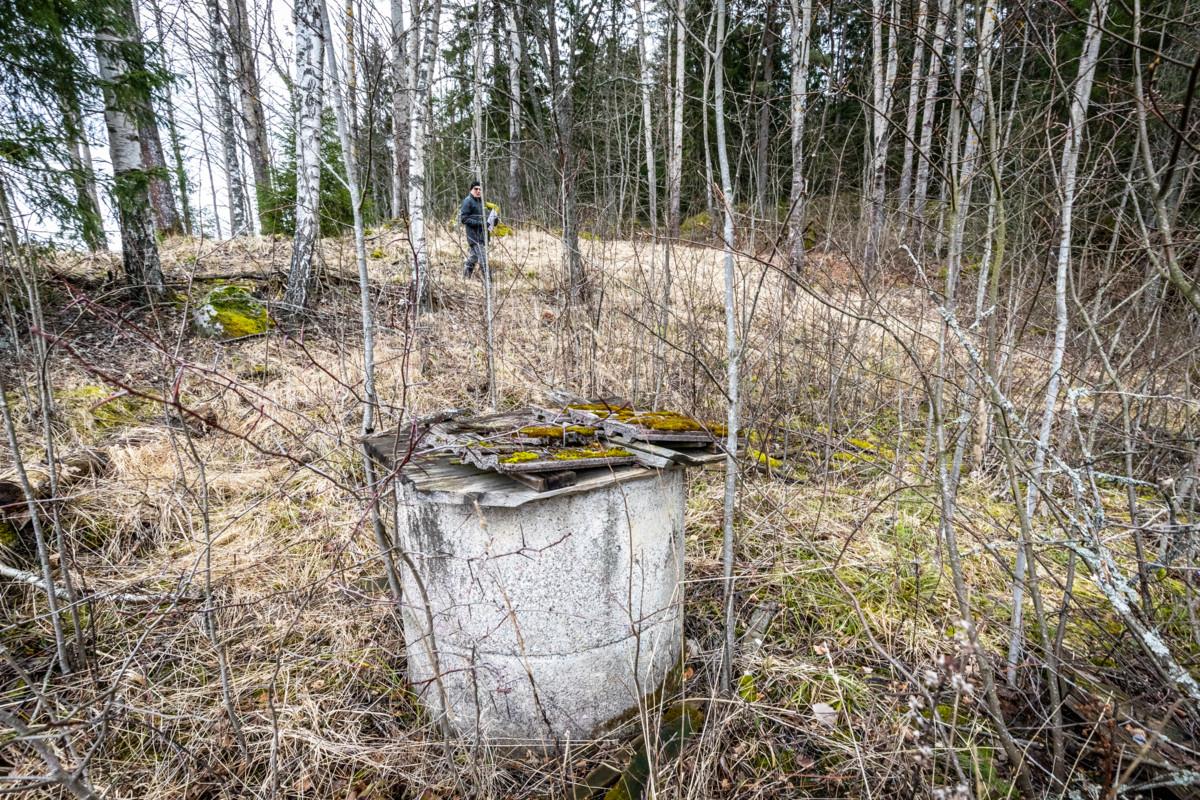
{"points": [[242, 487]]}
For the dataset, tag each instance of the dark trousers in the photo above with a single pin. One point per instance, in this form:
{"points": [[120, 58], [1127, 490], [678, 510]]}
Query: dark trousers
{"points": [[477, 253]]}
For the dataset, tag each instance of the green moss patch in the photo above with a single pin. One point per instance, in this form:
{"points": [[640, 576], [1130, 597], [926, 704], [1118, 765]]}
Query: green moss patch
{"points": [[231, 312]]}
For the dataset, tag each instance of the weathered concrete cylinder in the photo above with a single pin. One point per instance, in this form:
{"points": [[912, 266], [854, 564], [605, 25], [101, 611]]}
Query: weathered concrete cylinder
{"points": [[551, 619]]}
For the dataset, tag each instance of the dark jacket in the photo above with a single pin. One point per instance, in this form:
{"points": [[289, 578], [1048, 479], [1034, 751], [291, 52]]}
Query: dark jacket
{"points": [[472, 216]]}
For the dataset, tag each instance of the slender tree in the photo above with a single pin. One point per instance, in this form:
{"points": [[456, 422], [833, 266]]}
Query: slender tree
{"points": [[732, 351], [254, 121], [238, 217], [401, 90], [125, 97], [419, 125], [1081, 92], [309, 77], [883, 76], [801, 35]]}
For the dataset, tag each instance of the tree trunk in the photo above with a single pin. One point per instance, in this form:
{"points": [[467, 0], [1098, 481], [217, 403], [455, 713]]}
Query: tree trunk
{"points": [[181, 181], [882, 79], [928, 111], [253, 120], [647, 88], [418, 119], [763, 132], [122, 104], [562, 79], [801, 30], [910, 124], [514, 111], [82, 175], [401, 89], [307, 87], [732, 352], [233, 166], [1080, 96]]}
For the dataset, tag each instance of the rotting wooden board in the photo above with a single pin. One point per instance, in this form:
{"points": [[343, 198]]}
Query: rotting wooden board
{"points": [[690, 457], [443, 482], [545, 481]]}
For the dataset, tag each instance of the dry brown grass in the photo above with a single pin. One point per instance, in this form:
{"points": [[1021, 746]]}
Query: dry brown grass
{"points": [[265, 512]]}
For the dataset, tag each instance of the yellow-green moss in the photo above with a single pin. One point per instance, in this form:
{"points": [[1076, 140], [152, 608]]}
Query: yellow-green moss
{"points": [[231, 312], [764, 459], [101, 408], [520, 457], [573, 453], [547, 431]]}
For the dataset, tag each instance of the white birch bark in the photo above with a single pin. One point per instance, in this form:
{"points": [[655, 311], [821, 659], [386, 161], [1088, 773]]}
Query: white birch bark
{"points": [[801, 35], [253, 120], [910, 123], [400, 110], [675, 158], [1080, 95], [732, 352], [968, 165], [647, 87], [514, 112], [307, 86], [139, 248], [928, 112], [238, 217], [883, 76], [418, 120]]}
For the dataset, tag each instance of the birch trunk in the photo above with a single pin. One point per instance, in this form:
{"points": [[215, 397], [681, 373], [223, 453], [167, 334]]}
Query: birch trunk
{"points": [[418, 120], [882, 78], [562, 77], [928, 112], [801, 34], [968, 165], [763, 132], [647, 84], [401, 89], [181, 181], [910, 123], [253, 120], [233, 166], [82, 175], [307, 87], [514, 112], [1080, 96], [674, 187], [139, 248], [732, 352]]}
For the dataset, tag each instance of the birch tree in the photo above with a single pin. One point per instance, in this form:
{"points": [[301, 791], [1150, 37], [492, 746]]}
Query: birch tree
{"points": [[400, 111], [1081, 91], [513, 52], [928, 111], [800, 26], [910, 118], [225, 122], [883, 76], [254, 121], [131, 196], [307, 87], [732, 352], [562, 78], [418, 126]]}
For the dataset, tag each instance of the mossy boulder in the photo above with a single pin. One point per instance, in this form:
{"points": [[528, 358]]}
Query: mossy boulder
{"points": [[231, 312]]}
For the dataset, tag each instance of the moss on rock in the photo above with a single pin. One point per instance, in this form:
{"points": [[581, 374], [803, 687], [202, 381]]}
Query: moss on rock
{"points": [[230, 312]]}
